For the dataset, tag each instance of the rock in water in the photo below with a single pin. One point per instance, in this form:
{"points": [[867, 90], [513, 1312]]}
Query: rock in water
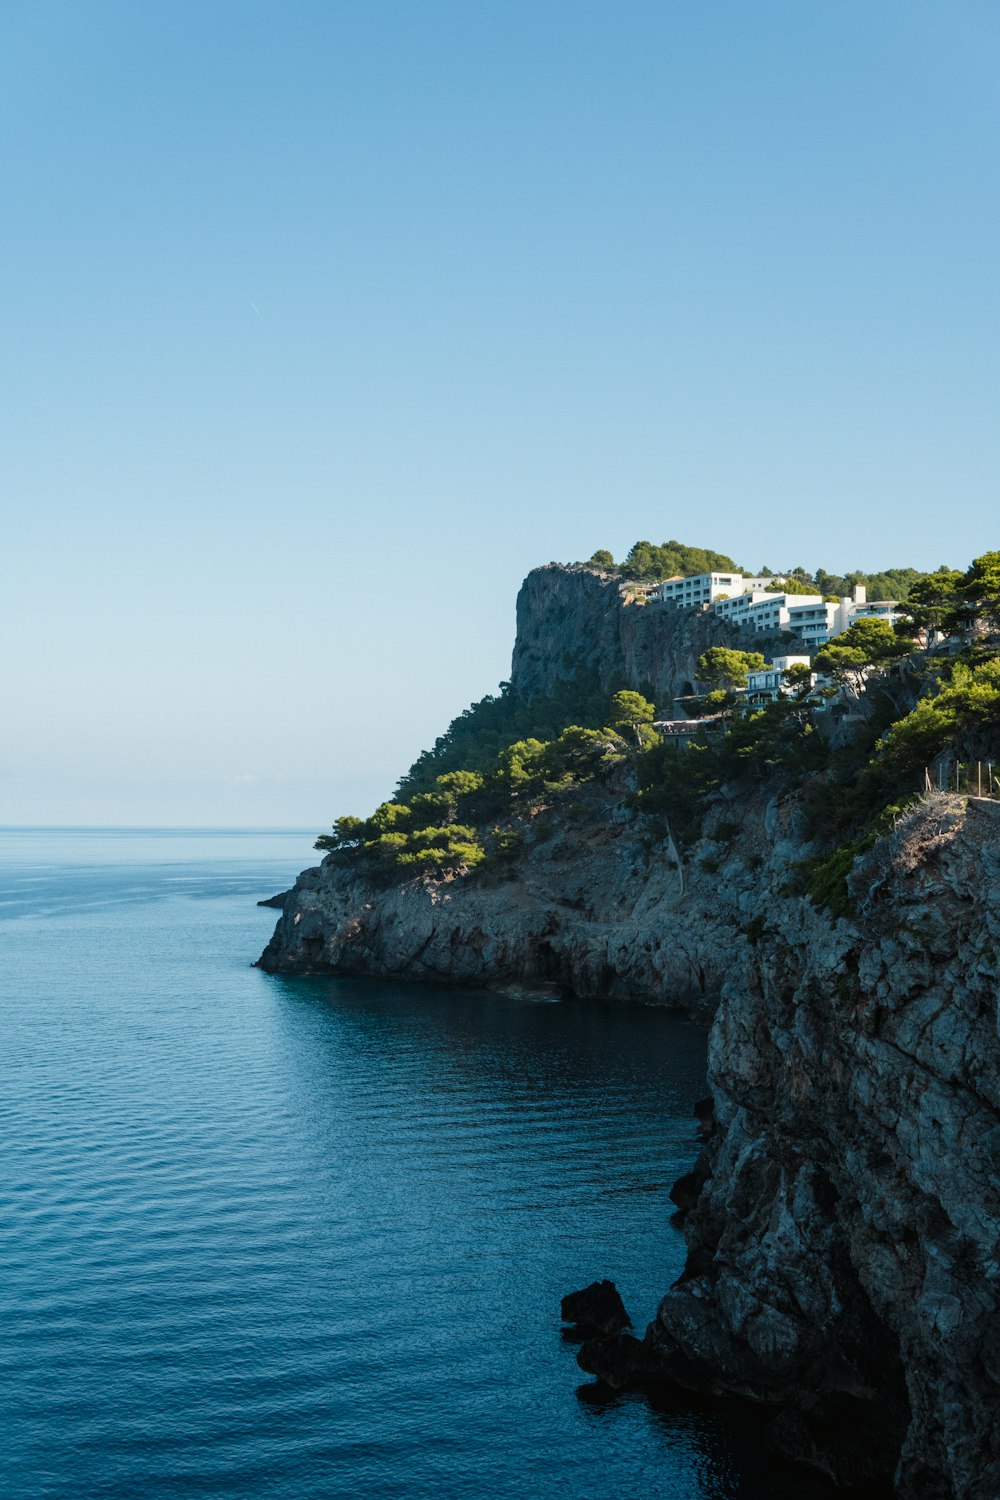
{"points": [[598, 1308], [620, 1360]]}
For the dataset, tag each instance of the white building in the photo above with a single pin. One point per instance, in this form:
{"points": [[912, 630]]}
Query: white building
{"points": [[736, 608], [769, 682], [879, 609], [813, 620], [775, 611], [702, 589], [808, 616]]}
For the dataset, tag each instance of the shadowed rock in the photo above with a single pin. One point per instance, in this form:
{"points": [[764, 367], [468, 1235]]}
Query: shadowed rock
{"points": [[620, 1360], [277, 901], [597, 1309]]}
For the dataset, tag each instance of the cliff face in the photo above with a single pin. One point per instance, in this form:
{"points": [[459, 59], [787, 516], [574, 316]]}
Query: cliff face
{"points": [[843, 1251], [572, 618]]}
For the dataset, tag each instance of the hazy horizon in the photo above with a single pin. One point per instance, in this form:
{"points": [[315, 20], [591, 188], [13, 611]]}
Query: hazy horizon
{"points": [[326, 322]]}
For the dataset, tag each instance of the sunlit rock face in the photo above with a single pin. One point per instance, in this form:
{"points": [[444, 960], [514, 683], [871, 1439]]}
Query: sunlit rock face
{"points": [[573, 619]]}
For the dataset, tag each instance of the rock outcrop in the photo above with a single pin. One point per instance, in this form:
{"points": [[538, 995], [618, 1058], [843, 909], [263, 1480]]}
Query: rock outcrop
{"points": [[596, 1309], [596, 907], [572, 619]]}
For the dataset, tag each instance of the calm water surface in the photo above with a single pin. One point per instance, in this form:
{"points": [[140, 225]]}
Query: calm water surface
{"points": [[265, 1237]]}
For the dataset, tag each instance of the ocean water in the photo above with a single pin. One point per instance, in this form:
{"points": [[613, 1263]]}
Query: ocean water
{"points": [[268, 1237]]}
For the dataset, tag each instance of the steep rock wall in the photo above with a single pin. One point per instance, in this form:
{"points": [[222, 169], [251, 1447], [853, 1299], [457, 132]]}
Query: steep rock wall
{"points": [[844, 1251], [578, 618]]}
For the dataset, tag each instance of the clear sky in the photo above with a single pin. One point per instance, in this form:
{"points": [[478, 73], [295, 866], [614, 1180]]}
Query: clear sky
{"points": [[323, 321]]}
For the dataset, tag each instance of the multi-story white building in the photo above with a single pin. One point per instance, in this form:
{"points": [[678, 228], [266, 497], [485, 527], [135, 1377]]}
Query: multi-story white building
{"points": [[736, 609], [701, 589], [879, 609], [749, 604], [773, 612], [806, 615], [813, 620]]}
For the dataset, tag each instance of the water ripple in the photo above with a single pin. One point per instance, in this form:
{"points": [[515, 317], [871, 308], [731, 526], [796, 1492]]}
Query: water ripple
{"points": [[279, 1238]]}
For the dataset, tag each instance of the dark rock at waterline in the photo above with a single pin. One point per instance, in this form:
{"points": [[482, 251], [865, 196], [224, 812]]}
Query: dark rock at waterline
{"points": [[854, 1443], [597, 1308], [686, 1189], [619, 1360], [278, 900]]}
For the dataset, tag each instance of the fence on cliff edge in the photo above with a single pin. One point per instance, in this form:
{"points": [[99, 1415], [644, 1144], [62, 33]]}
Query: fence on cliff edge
{"points": [[968, 778]]}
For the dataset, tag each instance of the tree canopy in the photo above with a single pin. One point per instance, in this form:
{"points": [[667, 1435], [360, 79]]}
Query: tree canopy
{"points": [[646, 562], [979, 589], [792, 585], [893, 583], [725, 669], [866, 644], [630, 708]]}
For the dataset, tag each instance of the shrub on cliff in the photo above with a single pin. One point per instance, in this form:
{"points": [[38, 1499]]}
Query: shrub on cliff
{"points": [[776, 739], [674, 780], [969, 697], [476, 737], [453, 846], [646, 562]]}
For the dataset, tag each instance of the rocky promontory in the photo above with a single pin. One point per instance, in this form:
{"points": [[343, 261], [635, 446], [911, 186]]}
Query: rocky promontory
{"points": [[843, 1221]]}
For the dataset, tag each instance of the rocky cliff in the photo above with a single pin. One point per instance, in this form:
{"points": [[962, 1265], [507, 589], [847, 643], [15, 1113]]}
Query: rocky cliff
{"points": [[570, 619], [843, 1222], [844, 1236], [596, 906]]}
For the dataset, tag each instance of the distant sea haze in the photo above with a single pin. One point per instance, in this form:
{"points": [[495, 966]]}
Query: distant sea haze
{"points": [[289, 1237]]}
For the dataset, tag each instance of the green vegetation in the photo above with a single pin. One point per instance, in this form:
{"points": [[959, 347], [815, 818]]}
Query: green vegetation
{"points": [[979, 593], [476, 737], [723, 668], [933, 599], [792, 585], [798, 676], [647, 563], [507, 769], [866, 644], [425, 834], [894, 583]]}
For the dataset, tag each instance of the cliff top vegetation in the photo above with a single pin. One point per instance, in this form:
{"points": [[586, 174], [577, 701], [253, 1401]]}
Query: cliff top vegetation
{"points": [[648, 563]]}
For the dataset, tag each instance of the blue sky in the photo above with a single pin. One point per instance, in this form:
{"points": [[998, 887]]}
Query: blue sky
{"points": [[324, 322]]}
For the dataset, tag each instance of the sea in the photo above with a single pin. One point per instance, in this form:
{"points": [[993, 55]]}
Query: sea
{"points": [[307, 1237]]}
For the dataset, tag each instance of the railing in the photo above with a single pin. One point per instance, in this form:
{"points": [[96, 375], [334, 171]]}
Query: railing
{"points": [[969, 778]]}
